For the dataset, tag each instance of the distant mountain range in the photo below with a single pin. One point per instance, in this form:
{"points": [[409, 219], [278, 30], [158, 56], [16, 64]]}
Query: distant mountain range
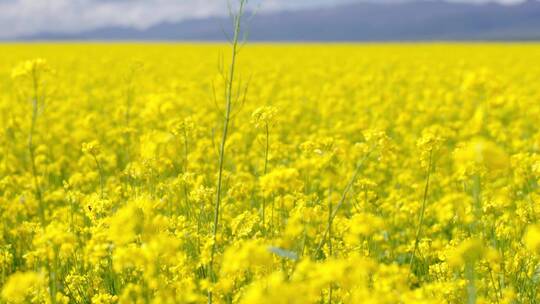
{"points": [[402, 21]]}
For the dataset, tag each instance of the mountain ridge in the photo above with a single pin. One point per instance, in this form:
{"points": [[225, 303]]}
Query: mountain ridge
{"points": [[362, 21]]}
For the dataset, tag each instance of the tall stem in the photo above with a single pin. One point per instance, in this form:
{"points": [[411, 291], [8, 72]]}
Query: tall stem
{"points": [[101, 176], [334, 213], [129, 102], [188, 209], [330, 249], [31, 150], [229, 97], [423, 211], [477, 198], [471, 287], [267, 149]]}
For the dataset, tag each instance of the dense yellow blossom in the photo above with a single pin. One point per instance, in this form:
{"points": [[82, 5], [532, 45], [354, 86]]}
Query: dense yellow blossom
{"points": [[351, 174], [24, 287], [532, 238]]}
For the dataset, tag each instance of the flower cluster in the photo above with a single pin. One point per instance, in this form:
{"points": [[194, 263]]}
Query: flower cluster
{"points": [[390, 174]]}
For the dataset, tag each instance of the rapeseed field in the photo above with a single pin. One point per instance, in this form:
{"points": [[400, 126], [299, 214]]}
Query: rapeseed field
{"points": [[384, 173]]}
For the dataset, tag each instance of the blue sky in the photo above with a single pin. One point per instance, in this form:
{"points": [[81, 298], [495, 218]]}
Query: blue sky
{"points": [[22, 17]]}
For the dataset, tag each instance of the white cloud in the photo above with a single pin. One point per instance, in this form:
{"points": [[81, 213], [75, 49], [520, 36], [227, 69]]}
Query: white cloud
{"points": [[19, 17], [23, 17]]}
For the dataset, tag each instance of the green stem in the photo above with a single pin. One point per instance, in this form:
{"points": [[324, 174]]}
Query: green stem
{"points": [[101, 176], [471, 287], [188, 209], [359, 167], [330, 249], [129, 102], [229, 97], [330, 207], [422, 212], [35, 109], [267, 149], [477, 198]]}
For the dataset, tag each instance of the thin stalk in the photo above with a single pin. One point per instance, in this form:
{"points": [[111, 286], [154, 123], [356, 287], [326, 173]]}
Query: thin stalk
{"points": [[31, 150], [186, 150], [101, 176], [477, 198], [237, 24], [423, 210], [188, 209], [272, 216], [359, 167], [267, 149], [496, 291], [330, 249], [129, 91], [471, 286]]}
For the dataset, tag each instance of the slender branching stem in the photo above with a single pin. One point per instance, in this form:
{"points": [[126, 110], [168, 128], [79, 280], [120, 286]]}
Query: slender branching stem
{"points": [[330, 248], [31, 149], [357, 171], [422, 211], [471, 286], [188, 208], [477, 198], [129, 92], [101, 176], [266, 151], [186, 150], [229, 101]]}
